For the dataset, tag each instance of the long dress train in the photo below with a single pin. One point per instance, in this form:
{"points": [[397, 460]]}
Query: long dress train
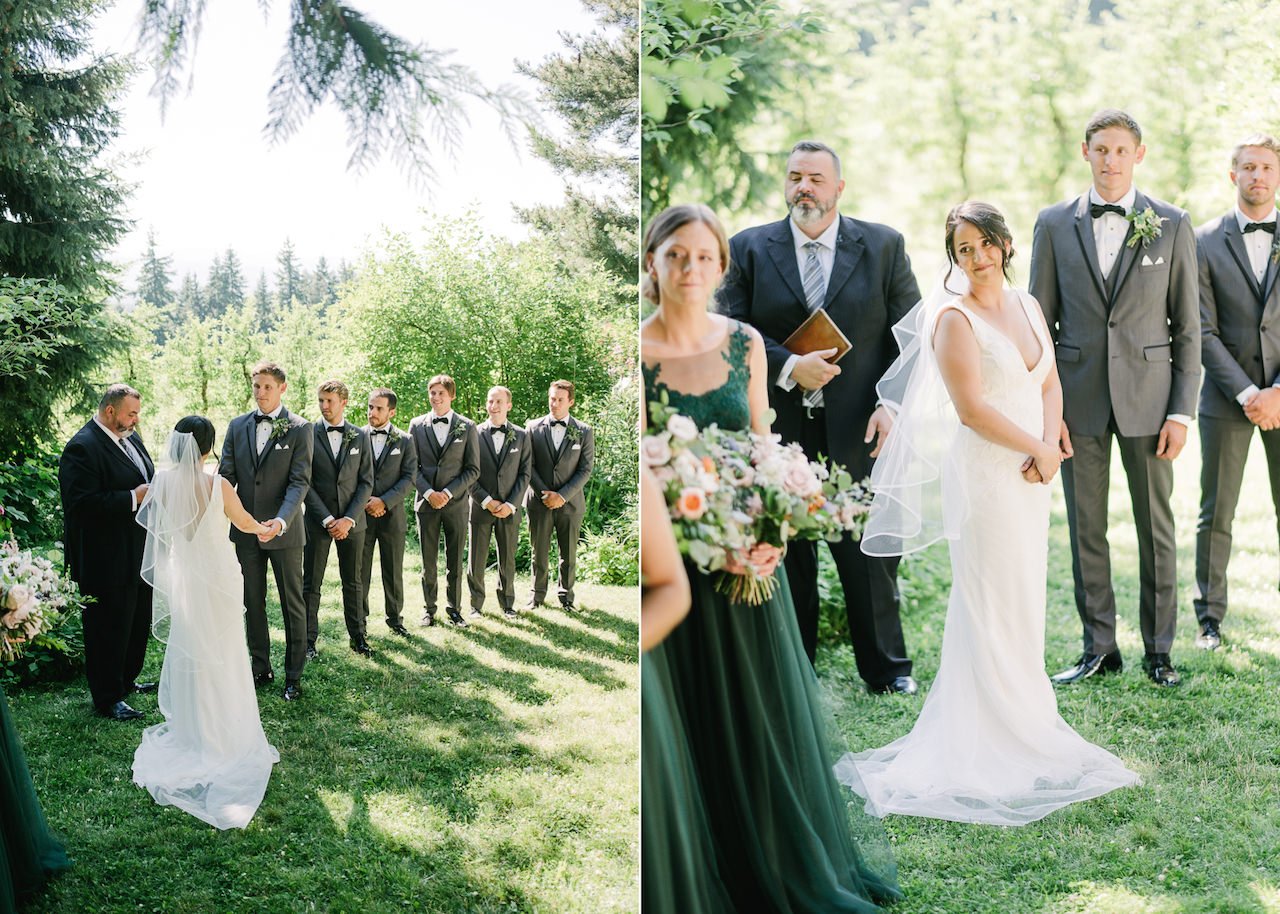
{"points": [[989, 745], [744, 697]]}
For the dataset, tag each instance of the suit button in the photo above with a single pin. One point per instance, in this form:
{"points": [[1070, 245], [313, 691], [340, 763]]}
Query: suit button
{"points": [[1263, 328], [1111, 323]]}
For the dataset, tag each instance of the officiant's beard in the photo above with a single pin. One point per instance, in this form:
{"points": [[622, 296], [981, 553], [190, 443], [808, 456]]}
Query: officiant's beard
{"points": [[808, 215]]}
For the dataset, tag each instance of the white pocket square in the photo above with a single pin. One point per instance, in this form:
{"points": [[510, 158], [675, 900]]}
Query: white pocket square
{"points": [[354, 450], [282, 447], [396, 451], [577, 447], [1148, 262]]}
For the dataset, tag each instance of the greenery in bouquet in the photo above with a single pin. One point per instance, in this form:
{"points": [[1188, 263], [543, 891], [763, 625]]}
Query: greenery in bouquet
{"points": [[728, 491], [39, 610]]}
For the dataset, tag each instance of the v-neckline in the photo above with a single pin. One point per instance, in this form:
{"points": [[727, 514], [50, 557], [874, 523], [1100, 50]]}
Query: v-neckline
{"points": [[1034, 332]]}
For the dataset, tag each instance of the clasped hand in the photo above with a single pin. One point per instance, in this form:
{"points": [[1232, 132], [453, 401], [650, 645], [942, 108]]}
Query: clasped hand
{"points": [[763, 559], [1263, 409], [340, 528], [552, 499], [812, 371], [270, 530]]}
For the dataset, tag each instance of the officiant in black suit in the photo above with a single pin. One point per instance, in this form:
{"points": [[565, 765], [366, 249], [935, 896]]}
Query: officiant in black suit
{"points": [[395, 463], [858, 272], [267, 457], [103, 475], [341, 483], [448, 465], [496, 499]]}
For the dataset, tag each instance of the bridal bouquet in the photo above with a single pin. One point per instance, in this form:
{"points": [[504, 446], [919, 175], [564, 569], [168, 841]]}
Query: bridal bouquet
{"points": [[33, 596], [728, 491]]}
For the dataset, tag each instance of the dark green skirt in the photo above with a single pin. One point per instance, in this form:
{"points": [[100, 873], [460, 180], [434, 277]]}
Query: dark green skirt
{"points": [[786, 836], [29, 854]]}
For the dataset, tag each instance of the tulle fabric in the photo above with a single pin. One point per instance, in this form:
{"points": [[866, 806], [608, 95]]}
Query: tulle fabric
{"points": [[210, 757], [989, 745], [29, 853]]}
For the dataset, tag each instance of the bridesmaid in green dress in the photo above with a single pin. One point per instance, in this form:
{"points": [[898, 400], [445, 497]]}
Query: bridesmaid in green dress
{"points": [[29, 854], [736, 678]]}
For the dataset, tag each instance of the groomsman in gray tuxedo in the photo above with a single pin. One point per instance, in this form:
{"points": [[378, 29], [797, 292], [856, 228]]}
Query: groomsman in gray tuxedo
{"points": [[1115, 272], [395, 463], [341, 483], [267, 457], [448, 466], [564, 452], [505, 467], [1240, 323]]}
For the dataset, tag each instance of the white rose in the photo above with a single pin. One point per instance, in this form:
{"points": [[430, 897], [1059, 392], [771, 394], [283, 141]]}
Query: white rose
{"points": [[682, 427], [656, 449], [18, 595], [801, 481]]}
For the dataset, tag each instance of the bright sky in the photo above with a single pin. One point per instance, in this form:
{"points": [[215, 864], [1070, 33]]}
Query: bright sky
{"points": [[207, 178]]}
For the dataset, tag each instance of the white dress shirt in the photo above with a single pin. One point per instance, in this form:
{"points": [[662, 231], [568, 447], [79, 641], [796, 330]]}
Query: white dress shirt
{"points": [[379, 441], [263, 436], [1258, 247], [1109, 229], [557, 431], [441, 431], [499, 438], [826, 260]]}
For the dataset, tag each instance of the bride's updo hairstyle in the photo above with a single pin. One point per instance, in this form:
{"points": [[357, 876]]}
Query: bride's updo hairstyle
{"points": [[200, 428], [664, 225], [986, 219]]}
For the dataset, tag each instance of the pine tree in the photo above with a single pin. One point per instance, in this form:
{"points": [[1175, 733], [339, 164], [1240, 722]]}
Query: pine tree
{"points": [[594, 86], [226, 285], [155, 283], [322, 288], [262, 303], [288, 276]]}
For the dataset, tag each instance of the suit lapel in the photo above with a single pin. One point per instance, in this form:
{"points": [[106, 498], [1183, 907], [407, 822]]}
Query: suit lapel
{"points": [[343, 447], [432, 443], [1235, 244], [1088, 247], [386, 447], [1128, 256], [251, 437], [782, 251], [848, 252], [486, 435], [544, 434], [110, 444]]}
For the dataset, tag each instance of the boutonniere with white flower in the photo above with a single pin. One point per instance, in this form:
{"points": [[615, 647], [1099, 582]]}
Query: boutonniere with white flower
{"points": [[459, 431], [1275, 248], [1146, 226], [573, 433], [349, 435], [280, 427]]}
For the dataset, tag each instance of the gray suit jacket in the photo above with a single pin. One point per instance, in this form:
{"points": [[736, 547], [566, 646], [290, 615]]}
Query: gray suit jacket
{"points": [[1134, 353], [455, 467], [504, 475], [340, 487], [1239, 320], [565, 472], [394, 470], [273, 485]]}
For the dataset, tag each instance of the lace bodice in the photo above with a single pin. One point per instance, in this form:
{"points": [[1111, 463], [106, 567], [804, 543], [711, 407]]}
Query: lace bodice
{"points": [[704, 387]]}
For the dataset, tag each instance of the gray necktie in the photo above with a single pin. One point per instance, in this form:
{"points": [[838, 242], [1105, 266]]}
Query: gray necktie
{"points": [[815, 284], [133, 456]]}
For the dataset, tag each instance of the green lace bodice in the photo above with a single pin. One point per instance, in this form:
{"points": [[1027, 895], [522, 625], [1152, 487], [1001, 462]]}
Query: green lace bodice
{"points": [[725, 403]]}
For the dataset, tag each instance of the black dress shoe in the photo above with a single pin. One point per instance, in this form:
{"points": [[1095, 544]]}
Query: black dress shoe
{"points": [[476, 614], [902, 685], [262, 679], [142, 687], [120, 711], [1090, 665], [533, 604], [569, 607], [509, 613], [1160, 670], [428, 620], [360, 646], [312, 653], [399, 630], [1210, 637], [291, 692], [456, 620]]}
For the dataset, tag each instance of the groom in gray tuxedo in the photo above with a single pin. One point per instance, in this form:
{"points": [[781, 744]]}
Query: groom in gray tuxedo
{"points": [[1115, 272], [1240, 322], [267, 457]]}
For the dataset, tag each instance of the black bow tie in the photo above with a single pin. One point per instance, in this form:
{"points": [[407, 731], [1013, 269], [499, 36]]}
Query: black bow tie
{"points": [[1097, 209], [500, 429], [262, 418], [1260, 227], [561, 422], [378, 431], [334, 428], [439, 419]]}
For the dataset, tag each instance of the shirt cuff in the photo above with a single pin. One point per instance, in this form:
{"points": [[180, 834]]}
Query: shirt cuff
{"points": [[447, 494], [510, 505], [1179, 418], [785, 381], [485, 503], [329, 518], [283, 525], [1247, 394], [133, 501]]}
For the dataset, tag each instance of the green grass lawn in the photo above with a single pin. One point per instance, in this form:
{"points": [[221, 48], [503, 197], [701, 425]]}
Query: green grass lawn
{"points": [[1202, 832], [486, 769]]}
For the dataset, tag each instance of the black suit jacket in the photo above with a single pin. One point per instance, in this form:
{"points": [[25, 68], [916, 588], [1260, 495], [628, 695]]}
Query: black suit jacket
{"points": [[101, 537], [340, 487], [1239, 319], [273, 485], [565, 472], [455, 466], [871, 289], [394, 470], [504, 475]]}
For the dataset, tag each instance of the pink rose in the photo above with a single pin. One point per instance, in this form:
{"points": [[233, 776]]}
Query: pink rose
{"points": [[655, 449], [18, 595], [799, 480], [692, 503]]}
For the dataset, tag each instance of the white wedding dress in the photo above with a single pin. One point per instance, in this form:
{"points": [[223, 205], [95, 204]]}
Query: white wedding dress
{"points": [[210, 757], [989, 745]]}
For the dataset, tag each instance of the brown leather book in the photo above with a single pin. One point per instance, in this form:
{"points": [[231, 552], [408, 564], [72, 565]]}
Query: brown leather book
{"points": [[818, 331]]}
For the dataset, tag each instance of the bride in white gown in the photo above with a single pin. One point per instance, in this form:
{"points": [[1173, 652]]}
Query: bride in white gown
{"points": [[983, 394], [210, 756]]}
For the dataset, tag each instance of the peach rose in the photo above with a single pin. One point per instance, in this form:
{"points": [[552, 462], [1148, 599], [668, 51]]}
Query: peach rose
{"points": [[692, 503]]}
